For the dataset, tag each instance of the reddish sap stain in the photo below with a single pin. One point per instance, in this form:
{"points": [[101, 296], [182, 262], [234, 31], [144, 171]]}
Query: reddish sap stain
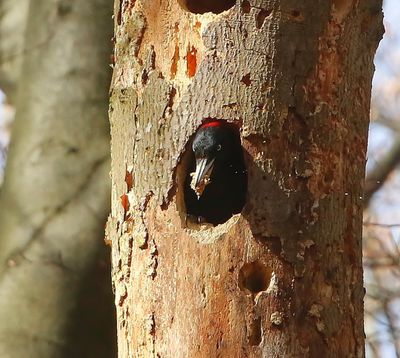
{"points": [[191, 58], [125, 202]]}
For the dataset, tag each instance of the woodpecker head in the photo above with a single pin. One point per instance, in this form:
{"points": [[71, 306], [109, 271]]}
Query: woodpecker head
{"points": [[214, 143]]}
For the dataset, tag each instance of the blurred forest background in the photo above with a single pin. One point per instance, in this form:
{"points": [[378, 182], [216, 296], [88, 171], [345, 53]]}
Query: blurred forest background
{"points": [[382, 197], [56, 296], [89, 57]]}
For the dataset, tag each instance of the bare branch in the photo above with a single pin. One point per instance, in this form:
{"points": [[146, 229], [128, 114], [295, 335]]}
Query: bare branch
{"points": [[378, 176]]}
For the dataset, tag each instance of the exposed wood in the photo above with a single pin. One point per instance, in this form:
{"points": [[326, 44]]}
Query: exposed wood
{"points": [[284, 278]]}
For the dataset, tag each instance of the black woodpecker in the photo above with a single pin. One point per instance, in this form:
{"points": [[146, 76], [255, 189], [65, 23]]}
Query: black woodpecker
{"points": [[216, 183]]}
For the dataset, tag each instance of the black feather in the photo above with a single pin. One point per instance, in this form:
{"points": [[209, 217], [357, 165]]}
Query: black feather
{"points": [[225, 195]]}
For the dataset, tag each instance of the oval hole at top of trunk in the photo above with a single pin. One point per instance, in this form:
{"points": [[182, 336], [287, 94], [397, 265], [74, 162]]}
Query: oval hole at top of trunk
{"points": [[203, 6]]}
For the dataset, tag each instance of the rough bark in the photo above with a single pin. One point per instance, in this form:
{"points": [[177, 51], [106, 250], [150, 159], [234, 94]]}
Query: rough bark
{"points": [[55, 296], [283, 278]]}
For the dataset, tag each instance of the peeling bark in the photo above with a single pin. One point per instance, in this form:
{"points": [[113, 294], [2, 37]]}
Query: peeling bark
{"points": [[283, 278]]}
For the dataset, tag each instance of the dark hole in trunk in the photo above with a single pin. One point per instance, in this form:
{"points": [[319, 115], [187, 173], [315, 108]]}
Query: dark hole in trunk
{"points": [[225, 195], [203, 6]]}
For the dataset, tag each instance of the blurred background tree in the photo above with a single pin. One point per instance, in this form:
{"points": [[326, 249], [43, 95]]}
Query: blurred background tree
{"points": [[382, 199], [55, 287]]}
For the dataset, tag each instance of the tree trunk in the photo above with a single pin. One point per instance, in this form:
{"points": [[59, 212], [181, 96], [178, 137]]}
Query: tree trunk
{"points": [[284, 277], [55, 296]]}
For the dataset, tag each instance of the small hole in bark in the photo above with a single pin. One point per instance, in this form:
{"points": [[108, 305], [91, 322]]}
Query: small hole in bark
{"points": [[261, 16], [225, 194], [246, 79], [254, 277], [255, 333], [246, 7], [203, 6]]}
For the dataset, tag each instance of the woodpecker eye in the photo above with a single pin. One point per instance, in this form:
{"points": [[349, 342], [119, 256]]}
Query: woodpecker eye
{"points": [[219, 147]]}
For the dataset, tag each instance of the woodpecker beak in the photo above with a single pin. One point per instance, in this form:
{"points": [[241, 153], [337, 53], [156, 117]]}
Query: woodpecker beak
{"points": [[201, 177]]}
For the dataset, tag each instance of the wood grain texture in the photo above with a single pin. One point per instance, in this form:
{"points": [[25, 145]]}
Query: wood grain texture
{"points": [[284, 278]]}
